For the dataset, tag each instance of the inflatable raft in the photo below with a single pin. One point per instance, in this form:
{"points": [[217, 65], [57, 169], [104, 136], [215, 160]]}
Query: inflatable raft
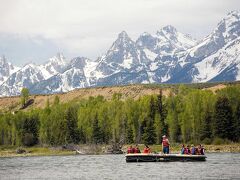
{"points": [[141, 157]]}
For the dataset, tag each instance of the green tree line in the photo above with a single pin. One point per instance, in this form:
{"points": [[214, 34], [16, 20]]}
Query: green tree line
{"points": [[187, 115]]}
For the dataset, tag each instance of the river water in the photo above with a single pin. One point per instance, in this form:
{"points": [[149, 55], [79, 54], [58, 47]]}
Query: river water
{"points": [[217, 166]]}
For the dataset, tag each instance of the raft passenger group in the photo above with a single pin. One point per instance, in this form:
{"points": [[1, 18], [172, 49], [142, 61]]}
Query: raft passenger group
{"points": [[165, 148]]}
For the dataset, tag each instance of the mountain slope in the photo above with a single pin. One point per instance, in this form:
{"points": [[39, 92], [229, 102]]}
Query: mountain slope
{"points": [[199, 61], [71, 78]]}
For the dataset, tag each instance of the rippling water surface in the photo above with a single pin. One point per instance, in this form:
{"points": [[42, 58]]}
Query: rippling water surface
{"points": [[217, 166]]}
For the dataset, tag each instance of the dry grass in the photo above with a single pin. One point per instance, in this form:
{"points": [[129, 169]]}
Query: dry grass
{"points": [[130, 91], [214, 89]]}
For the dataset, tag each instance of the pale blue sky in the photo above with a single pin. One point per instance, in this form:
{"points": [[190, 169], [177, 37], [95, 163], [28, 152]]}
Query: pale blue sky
{"points": [[34, 30]]}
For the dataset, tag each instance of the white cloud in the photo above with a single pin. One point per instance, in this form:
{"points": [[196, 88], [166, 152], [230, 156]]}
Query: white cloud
{"points": [[88, 27]]}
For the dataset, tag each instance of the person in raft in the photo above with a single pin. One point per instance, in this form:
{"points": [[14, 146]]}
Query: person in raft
{"points": [[146, 150], [201, 150], [165, 144], [130, 150], [193, 150], [136, 149], [182, 149], [188, 150]]}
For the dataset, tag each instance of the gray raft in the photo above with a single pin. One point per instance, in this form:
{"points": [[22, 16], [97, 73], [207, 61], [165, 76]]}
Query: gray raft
{"points": [[141, 157]]}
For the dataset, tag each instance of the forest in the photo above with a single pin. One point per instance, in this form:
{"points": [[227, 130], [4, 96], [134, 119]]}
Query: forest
{"points": [[187, 115]]}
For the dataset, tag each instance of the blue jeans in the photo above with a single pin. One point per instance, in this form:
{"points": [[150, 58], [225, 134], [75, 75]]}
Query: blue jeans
{"points": [[166, 150]]}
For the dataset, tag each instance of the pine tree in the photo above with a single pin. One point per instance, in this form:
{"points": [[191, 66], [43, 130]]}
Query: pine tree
{"points": [[82, 136], [30, 130], [223, 119], [173, 119], [129, 134], [162, 110], [206, 129], [149, 135], [72, 129], [237, 123], [97, 133]]}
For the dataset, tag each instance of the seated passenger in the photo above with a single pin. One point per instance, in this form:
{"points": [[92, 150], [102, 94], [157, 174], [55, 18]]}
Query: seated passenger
{"points": [[193, 150], [146, 149], [136, 149], [183, 149], [130, 150], [201, 150], [197, 151], [187, 150]]}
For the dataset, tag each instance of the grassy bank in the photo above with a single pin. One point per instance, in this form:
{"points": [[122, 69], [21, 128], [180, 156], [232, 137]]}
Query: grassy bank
{"points": [[10, 151], [33, 151]]}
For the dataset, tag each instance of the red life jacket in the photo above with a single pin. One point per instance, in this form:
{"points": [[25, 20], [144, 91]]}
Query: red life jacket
{"points": [[185, 150], [146, 150], [136, 150], [130, 150], [165, 142]]}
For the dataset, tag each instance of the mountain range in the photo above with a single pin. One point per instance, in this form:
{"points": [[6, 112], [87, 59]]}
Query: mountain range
{"points": [[165, 57]]}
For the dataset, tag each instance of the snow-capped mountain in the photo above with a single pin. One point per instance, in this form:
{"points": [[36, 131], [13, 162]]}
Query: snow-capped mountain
{"points": [[223, 40], [165, 57], [27, 76], [76, 74], [123, 54], [167, 41], [224, 65], [123, 60], [6, 69], [30, 74]]}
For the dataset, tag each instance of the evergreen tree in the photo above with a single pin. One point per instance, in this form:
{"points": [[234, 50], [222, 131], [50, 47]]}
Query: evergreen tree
{"points": [[149, 135], [173, 119], [129, 134], [30, 130], [82, 137], [97, 133], [72, 129], [162, 110], [206, 130], [223, 119], [237, 123]]}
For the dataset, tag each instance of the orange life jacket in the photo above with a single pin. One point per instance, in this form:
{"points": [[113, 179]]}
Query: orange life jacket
{"points": [[146, 150]]}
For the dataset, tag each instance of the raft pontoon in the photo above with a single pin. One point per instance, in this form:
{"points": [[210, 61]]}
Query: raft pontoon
{"points": [[141, 157]]}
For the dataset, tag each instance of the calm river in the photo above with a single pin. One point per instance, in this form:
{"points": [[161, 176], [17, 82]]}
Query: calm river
{"points": [[217, 166]]}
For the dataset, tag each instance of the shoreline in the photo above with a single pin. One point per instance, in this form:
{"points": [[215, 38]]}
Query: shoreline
{"points": [[101, 150]]}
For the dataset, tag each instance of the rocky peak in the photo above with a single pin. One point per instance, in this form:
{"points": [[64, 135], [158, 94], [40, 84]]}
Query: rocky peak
{"points": [[58, 59], [2, 60], [78, 62], [123, 41], [169, 29]]}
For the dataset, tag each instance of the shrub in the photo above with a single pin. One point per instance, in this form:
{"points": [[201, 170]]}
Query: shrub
{"points": [[207, 141], [28, 139], [218, 141]]}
